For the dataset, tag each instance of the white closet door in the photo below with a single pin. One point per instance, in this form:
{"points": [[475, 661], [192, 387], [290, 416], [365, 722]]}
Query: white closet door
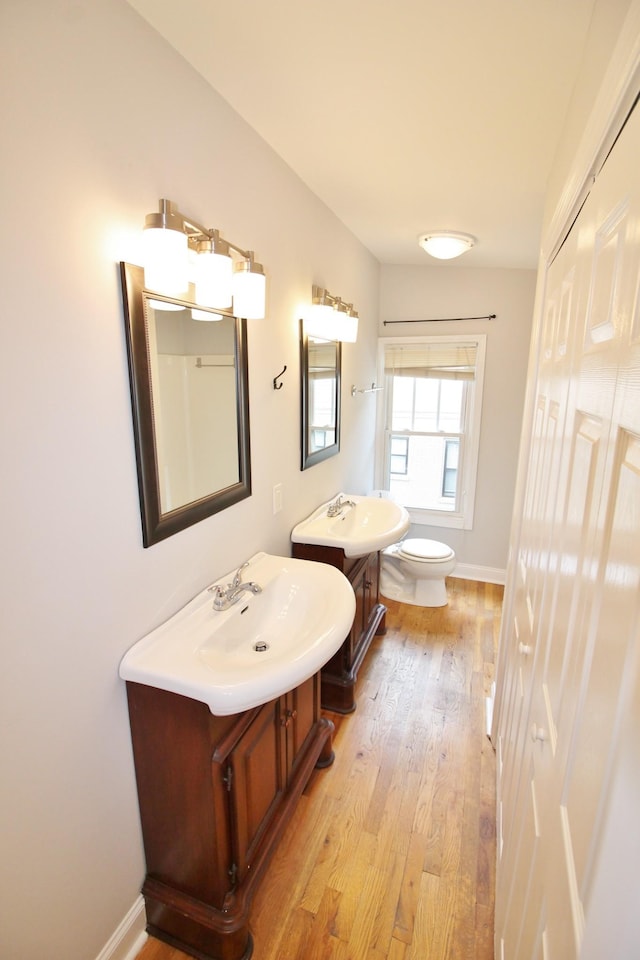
{"points": [[572, 667]]}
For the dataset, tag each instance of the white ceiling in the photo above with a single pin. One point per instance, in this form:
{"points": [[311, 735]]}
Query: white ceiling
{"points": [[404, 116]]}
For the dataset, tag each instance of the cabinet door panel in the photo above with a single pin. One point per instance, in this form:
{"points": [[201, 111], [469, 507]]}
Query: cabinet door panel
{"points": [[301, 710], [258, 781]]}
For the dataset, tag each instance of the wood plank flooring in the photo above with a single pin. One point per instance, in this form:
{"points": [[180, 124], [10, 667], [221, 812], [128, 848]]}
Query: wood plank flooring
{"points": [[391, 851]]}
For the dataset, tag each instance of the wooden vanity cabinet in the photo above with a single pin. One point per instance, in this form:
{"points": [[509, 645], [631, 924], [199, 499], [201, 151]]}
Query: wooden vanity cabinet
{"points": [[340, 673], [215, 793]]}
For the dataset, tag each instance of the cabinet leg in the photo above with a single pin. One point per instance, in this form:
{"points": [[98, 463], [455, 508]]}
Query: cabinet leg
{"points": [[325, 761], [327, 756], [195, 951], [382, 626], [196, 928]]}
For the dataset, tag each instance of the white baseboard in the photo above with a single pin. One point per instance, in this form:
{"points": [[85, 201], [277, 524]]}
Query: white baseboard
{"points": [[488, 711], [469, 571], [488, 715], [127, 940]]}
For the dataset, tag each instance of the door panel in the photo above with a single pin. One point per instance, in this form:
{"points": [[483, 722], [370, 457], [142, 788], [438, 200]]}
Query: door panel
{"points": [[573, 643], [614, 638]]}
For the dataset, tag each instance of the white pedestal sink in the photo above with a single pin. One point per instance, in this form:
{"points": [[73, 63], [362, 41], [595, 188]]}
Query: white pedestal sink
{"points": [[367, 525], [260, 648]]}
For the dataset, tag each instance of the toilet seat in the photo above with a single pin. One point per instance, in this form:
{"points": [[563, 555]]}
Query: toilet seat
{"points": [[424, 551]]}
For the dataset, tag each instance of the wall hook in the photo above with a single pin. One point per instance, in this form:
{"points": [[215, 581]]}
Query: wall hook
{"points": [[276, 385]]}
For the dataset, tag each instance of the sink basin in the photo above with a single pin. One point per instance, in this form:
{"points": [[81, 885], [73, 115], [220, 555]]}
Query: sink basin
{"points": [[258, 649], [372, 524]]}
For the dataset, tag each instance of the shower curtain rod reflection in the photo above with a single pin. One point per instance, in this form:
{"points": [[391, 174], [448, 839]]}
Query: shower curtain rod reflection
{"points": [[225, 362], [489, 316]]}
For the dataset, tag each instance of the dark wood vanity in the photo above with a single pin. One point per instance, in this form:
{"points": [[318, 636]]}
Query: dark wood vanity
{"points": [[340, 673], [215, 794]]}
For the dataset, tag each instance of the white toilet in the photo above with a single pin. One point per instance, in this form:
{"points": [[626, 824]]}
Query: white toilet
{"points": [[413, 571]]}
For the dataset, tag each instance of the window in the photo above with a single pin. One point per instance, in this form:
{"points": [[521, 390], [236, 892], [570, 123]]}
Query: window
{"points": [[429, 436]]}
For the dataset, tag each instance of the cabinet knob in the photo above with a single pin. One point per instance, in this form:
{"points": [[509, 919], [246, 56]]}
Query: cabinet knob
{"points": [[288, 717], [524, 648], [368, 583]]}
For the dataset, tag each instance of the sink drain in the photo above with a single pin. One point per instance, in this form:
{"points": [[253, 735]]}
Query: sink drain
{"points": [[260, 646]]}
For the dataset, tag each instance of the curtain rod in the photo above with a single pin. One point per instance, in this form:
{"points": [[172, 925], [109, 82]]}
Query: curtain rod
{"points": [[490, 316]]}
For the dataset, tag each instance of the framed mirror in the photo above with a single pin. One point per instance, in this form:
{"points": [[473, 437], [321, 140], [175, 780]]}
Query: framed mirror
{"points": [[320, 367], [190, 401]]}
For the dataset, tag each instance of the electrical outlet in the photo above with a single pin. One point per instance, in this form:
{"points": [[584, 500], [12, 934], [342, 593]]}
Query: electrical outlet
{"points": [[277, 498]]}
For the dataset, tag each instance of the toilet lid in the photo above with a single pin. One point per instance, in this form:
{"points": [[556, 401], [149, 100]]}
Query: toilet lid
{"points": [[420, 549]]}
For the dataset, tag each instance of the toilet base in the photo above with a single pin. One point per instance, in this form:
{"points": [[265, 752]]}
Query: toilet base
{"points": [[421, 593]]}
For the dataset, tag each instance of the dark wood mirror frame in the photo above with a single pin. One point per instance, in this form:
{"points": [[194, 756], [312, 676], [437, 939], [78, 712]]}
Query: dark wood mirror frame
{"points": [[157, 525], [311, 457]]}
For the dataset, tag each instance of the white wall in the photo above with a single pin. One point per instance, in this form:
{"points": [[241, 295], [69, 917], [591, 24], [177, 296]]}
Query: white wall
{"points": [[607, 21], [100, 119], [414, 293]]}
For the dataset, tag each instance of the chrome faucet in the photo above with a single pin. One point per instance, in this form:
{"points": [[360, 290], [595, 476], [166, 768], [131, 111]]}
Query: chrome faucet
{"points": [[335, 509], [225, 597]]}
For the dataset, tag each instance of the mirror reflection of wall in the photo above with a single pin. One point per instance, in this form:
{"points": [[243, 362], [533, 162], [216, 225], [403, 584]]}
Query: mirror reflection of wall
{"points": [[194, 404]]}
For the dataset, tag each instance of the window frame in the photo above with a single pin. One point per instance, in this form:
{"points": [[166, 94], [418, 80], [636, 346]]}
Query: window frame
{"points": [[470, 433]]}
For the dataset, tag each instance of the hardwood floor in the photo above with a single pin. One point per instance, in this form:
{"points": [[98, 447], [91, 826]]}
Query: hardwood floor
{"points": [[391, 851]]}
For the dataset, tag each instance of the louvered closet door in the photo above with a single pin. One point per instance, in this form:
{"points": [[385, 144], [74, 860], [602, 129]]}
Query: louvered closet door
{"points": [[574, 636]]}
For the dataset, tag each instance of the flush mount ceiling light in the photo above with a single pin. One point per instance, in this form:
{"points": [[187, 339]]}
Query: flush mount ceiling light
{"points": [[330, 318], [171, 240], [445, 244]]}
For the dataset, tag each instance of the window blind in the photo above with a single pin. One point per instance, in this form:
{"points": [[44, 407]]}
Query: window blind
{"points": [[441, 361], [322, 360]]}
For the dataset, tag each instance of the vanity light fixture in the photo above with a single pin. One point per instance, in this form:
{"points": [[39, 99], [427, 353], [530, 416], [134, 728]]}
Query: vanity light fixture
{"points": [[170, 242], [330, 318], [445, 244]]}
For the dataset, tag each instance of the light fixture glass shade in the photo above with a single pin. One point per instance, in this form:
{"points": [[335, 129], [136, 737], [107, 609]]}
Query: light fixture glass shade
{"points": [[329, 323], [350, 327], [249, 290], [164, 305], [214, 272], [166, 261], [445, 245], [206, 316], [322, 321], [329, 318], [347, 323]]}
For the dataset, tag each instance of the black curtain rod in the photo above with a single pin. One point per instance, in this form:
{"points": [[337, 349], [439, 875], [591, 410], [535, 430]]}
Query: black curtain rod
{"points": [[490, 316]]}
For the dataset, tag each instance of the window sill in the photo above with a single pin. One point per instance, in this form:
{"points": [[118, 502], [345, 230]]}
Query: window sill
{"points": [[431, 518]]}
